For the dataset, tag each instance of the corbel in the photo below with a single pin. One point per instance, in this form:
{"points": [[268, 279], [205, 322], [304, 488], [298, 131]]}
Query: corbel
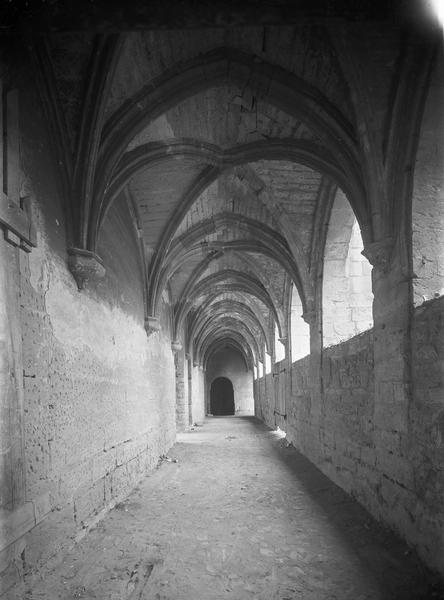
{"points": [[379, 254], [152, 324], [84, 266]]}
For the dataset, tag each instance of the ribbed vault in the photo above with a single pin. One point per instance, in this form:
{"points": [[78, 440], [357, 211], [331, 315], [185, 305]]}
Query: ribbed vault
{"points": [[199, 190], [228, 146]]}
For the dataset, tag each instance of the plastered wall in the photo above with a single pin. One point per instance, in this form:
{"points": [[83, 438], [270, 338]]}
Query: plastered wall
{"points": [[99, 395], [98, 402], [428, 194]]}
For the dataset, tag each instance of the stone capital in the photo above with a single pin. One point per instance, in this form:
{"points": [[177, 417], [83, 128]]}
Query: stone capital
{"points": [[152, 324], [84, 266], [379, 253]]}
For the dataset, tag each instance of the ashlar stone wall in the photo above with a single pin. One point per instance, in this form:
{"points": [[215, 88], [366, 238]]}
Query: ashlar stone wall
{"points": [[391, 462], [427, 426]]}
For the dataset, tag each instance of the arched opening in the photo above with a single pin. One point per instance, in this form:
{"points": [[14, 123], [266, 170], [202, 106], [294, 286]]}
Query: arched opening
{"points": [[347, 296], [299, 329], [279, 348], [222, 397], [260, 369]]}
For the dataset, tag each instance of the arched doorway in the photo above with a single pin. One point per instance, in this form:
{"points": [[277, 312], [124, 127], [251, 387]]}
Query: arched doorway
{"points": [[221, 397]]}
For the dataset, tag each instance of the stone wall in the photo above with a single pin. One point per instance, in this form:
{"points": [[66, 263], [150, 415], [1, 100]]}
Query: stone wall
{"points": [[346, 437], [394, 469], [343, 443], [427, 429], [264, 400], [182, 389], [97, 402], [299, 404]]}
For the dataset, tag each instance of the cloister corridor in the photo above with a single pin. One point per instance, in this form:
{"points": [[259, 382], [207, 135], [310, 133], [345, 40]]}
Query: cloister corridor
{"points": [[221, 241]]}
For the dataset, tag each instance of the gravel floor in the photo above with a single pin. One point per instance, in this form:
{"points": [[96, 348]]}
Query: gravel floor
{"points": [[239, 515]]}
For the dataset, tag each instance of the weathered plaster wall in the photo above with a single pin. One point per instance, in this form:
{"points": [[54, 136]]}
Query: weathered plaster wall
{"points": [[229, 363], [98, 394]]}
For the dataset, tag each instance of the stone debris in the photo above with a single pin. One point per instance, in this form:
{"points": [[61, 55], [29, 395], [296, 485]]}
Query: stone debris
{"points": [[165, 458]]}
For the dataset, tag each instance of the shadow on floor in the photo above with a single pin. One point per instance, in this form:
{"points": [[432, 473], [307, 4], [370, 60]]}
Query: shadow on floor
{"points": [[400, 572]]}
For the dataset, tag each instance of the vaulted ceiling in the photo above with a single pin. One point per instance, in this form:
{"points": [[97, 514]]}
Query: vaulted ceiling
{"points": [[230, 143]]}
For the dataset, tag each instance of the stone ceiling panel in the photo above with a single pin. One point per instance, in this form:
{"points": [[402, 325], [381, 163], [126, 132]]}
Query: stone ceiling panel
{"points": [[224, 116], [157, 191], [273, 273], [303, 50], [229, 194], [295, 189], [229, 261], [180, 278]]}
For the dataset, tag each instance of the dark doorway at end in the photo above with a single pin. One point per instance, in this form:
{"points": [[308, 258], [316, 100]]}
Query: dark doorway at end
{"points": [[221, 397]]}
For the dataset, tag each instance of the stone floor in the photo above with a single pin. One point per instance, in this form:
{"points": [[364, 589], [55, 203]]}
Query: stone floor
{"points": [[238, 516]]}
